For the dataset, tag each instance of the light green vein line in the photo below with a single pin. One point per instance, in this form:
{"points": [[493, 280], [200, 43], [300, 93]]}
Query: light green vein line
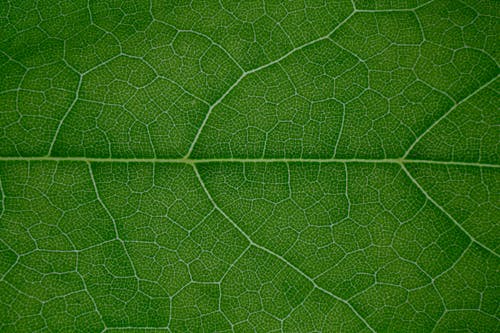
{"points": [[2, 200], [394, 10], [246, 73], [138, 328], [117, 234], [72, 105], [243, 160], [441, 208], [282, 259], [417, 140]]}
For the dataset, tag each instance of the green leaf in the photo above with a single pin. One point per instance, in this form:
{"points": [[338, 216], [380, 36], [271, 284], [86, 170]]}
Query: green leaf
{"points": [[249, 166]]}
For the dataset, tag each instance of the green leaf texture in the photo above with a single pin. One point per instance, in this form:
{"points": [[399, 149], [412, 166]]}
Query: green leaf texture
{"points": [[249, 166]]}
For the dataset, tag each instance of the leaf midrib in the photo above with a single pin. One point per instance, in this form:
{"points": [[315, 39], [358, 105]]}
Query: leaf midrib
{"points": [[400, 161]]}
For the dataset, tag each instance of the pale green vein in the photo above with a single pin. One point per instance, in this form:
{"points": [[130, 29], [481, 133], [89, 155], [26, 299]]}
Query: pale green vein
{"points": [[72, 105], [87, 291], [282, 259], [417, 140], [243, 160], [441, 208], [245, 73], [198, 33], [117, 235], [2, 202], [130, 328], [392, 10]]}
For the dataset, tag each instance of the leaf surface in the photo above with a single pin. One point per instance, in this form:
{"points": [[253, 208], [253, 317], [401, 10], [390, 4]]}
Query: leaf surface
{"points": [[249, 166]]}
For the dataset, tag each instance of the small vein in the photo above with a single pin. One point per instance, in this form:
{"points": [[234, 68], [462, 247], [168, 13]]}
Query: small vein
{"points": [[246, 73], [14, 264], [282, 259], [408, 151], [441, 208], [117, 235], [201, 34], [136, 328], [87, 291], [341, 131], [2, 193], [56, 134], [392, 10]]}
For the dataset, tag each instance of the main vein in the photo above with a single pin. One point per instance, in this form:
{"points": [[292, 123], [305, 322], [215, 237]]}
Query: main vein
{"points": [[241, 160]]}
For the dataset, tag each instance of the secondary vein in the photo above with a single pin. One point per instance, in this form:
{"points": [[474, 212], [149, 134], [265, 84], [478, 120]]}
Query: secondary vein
{"points": [[279, 257]]}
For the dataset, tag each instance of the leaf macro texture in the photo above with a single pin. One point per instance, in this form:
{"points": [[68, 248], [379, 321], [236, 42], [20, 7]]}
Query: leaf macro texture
{"points": [[249, 166]]}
